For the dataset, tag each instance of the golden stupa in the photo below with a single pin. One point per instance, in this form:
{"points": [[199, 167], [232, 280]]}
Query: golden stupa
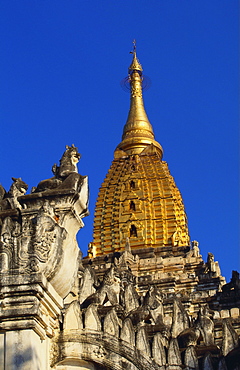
{"points": [[139, 199]]}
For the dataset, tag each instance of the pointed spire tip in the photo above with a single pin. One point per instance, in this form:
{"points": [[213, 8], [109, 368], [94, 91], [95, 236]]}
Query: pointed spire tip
{"points": [[135, 65]]}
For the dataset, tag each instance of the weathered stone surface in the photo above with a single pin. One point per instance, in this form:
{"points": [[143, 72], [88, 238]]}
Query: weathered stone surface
{"points": [[87, 284], [131, 298], [158, 351], [205, 325], [112, 323], [73, 317], [24, 350], [190, 359], [222, 364], [235, 312], [142, 342], [174, 358], [230, 337], [180, 319], [92, 320], [127, 332], [207, 362]]}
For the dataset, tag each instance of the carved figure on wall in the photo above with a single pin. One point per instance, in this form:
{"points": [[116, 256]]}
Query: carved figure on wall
{"points": [[194, 251], [153, 302], [9, 200], [6, 243], [9, 241], [211, 267], [205, 325], [109, 290], [6, 232], [40, 233], [66, 175]]}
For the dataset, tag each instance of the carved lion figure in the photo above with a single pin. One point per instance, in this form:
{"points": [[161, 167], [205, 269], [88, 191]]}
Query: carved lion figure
{"points": [[9, 200], [66, 175]]}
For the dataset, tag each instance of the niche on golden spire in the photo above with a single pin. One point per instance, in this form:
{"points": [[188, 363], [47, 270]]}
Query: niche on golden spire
{"points": [[138, 132]]}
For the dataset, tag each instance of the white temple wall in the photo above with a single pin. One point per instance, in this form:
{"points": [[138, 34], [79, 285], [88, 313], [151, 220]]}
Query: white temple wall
{"points": [[23, 350]]}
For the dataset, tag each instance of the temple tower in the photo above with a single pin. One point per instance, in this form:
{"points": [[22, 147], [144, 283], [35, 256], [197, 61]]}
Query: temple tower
{"points": [[143, 298], [139, 199]]}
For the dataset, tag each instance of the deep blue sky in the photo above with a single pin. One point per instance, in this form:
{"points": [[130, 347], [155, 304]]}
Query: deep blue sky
{"points": [[60, 70]]}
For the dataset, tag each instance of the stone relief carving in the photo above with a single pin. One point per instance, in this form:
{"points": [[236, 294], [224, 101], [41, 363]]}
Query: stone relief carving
{"points": [[153, 303], [36, 230], [88, 284], [92, 320], [41, 239], [107, 292], [10, 242], [174, 357]]}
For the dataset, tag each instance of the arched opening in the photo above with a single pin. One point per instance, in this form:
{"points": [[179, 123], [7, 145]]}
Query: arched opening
{"points": [[132, 206], [133, 231], [132, 184]]}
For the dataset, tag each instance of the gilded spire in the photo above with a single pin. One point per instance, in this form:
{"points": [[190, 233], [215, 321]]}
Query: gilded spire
{"points": [[137, 132], [135, 66]]}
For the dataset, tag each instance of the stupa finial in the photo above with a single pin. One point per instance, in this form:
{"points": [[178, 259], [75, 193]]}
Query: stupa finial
{"points": [[137, 132], [135, 65]]}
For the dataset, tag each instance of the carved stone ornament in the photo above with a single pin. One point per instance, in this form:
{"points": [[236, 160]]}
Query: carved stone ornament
{"points": [[38, 230]]}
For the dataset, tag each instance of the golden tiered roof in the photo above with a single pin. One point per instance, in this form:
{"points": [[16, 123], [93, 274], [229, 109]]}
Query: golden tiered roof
{"points": [[138, 198]]}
